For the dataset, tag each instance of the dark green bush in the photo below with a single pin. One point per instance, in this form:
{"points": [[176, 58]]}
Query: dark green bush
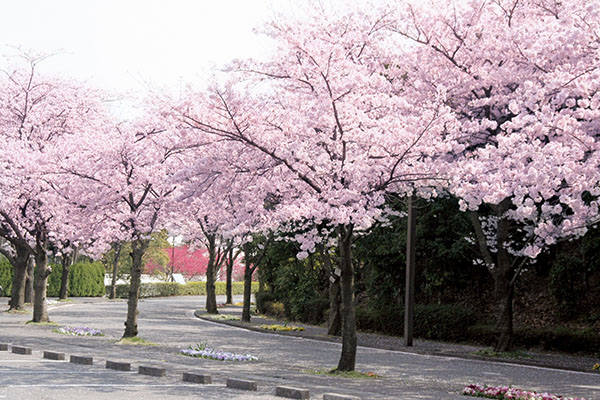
{"points": [[6, 274], [162, 289], [385, 319], [553, 338], [313, 311], [262, 298], [443, 322], [85, 280], [567, 276], [436, 322]]}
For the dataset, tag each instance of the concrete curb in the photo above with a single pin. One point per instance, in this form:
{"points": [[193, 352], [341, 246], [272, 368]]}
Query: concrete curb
{"points": [[152, 371], [195, 377], [82, 360], [21, 350], [53, 355], [119, 366], [241, 384], [292, 393]]}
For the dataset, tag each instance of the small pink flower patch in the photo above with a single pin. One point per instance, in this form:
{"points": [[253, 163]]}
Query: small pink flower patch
{"points": [[507, 392]]}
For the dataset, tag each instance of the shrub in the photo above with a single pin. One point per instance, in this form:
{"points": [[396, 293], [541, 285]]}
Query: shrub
{"points": [[262, 298], [437, 322], [6, 275], [163, 289], [85, 280], [443, 322], [553, 338], [313, 311], [276, 309]]}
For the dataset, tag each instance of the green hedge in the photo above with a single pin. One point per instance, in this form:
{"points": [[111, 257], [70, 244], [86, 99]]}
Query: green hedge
{"points": [[435, 322], [85, 280], [162, 289], [6, 274]]}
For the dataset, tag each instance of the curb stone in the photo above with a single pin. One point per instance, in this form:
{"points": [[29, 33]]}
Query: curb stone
{"points": [[119, 366], [152, 371], [292, 393], [53, 355], [194, 377], [242, 384], [21, 350], [83, 360]]}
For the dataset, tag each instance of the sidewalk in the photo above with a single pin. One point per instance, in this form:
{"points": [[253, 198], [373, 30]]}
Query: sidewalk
{"points": [[556, 360]]}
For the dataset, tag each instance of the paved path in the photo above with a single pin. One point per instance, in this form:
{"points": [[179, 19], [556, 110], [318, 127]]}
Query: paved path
{"points": [[283, 360]]}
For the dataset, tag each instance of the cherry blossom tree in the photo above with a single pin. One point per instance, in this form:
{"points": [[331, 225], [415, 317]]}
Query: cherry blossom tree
{"points": [[328, 122], [125, 175], [39, 115], [522, 78]]}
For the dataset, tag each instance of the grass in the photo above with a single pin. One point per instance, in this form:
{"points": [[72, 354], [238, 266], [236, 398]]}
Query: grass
{"points": [[45, 323], [136, 340], [501, 354], [22, 311], [343, 374]]}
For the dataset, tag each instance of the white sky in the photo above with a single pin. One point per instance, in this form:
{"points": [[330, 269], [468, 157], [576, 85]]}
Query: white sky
{"points": [[124, 44]]}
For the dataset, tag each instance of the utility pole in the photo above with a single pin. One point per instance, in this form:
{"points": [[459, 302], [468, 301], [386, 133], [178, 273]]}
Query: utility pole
{"points": [[409, 303]]}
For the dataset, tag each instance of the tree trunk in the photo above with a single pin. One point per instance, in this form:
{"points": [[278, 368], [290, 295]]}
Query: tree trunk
{"points": [[42, 272], [29, 292], [17, 298], [64, 280], [115, 270], [229, 273], [247, 291], [504, 320], [138, 247], [334, 322], [348, 357], [502, 270], [211, 296]]}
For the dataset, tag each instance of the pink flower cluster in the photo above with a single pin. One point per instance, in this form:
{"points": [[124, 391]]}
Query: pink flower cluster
{"points": [[507, 392]]}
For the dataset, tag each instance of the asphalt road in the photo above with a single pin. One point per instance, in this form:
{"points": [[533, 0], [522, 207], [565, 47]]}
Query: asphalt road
{"points": [[170, 323]]}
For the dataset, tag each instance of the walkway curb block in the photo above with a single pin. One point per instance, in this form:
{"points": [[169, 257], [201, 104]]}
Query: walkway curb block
{"points": [[197, 378], [21, 350], [119, 366], [292, 393], [52, 355], [3, 347], [334, 396], [241, 384], [152, 371], [82, 360]]}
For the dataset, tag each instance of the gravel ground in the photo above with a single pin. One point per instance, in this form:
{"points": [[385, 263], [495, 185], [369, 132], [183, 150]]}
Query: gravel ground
{"points": [[572, 362]]}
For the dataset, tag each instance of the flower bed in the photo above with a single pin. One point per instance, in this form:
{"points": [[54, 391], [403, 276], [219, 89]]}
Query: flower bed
{"points": [[222, 317], [201, 351], [281, 328], [507, 392], [78, 331]]}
